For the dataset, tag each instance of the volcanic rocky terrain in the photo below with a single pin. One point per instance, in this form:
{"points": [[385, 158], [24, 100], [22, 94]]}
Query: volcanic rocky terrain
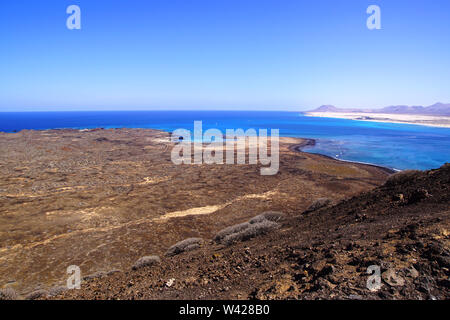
{"points": [[322, 253], [140, 227]]}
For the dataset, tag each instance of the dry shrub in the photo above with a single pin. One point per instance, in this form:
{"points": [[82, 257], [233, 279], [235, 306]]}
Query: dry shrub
{"points": [[111, 272], [402, 177], [256, 226], [230, 230], [184, 246], [269, 216], [253, 230], [57, 290], [95, 275], [318, 204], [146, 261], [8, 294], [36, 294], [244, 231]]}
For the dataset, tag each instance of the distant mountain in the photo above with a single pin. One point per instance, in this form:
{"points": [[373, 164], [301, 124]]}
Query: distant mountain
{"points": [[437, 109], [401, 109], [331, 108], [326, 108]]}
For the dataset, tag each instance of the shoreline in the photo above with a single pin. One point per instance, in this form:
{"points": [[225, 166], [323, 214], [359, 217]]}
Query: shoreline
{"points": [[309, 142]]}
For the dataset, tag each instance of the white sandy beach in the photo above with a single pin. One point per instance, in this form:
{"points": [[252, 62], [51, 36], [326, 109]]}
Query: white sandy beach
{"points": [[433, 121]]}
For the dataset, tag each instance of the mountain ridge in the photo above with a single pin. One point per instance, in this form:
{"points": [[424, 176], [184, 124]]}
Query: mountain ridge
{"points": [[437, 109]]}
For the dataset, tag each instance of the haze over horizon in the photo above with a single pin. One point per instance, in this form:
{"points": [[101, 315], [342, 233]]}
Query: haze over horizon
{"points": [[222, 55], [322, 108]]}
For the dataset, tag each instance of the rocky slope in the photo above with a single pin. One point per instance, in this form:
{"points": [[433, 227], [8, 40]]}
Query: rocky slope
{"points": [[402, 227]]}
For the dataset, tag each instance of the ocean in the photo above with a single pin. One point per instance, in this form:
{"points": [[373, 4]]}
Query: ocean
{"points": [[396, 146]]}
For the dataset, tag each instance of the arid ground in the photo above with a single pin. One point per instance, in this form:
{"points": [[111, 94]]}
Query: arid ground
{"points": [[101, 199], [399, 230]]}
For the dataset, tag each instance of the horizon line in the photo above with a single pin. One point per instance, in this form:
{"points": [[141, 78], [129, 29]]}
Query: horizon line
{"points": [[162, 110], [270, 109]]}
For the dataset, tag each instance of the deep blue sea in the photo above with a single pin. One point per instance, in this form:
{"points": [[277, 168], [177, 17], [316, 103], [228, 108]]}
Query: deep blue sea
{"points": [[397, 146]]}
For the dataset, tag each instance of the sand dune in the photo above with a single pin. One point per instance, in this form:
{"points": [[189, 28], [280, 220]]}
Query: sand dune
{"points": [[434, 121]]}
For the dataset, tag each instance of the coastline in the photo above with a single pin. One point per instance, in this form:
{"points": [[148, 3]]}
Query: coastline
{"points": [[312, 142], [420, 120]]}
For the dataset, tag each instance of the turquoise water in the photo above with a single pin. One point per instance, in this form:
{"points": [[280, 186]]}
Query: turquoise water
{"points": [[397, 146]]}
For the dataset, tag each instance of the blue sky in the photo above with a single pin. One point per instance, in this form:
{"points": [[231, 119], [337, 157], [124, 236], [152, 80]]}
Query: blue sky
{"points": [[222, 54]]}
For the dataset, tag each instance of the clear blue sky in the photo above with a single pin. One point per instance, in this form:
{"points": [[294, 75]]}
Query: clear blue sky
{"points": [[222, 54]]}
